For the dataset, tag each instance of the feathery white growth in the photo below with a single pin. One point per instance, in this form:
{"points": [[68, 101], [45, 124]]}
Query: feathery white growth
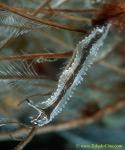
{"points": [[84, 56], [20, 70], [11, 21], [56, 3], [14, 25]]}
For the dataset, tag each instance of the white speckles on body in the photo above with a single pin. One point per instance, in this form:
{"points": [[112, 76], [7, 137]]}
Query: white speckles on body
{"points": [[71, 68]]}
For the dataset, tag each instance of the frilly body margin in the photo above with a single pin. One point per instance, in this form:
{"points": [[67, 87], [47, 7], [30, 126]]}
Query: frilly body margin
{"points": [[73, 74]]}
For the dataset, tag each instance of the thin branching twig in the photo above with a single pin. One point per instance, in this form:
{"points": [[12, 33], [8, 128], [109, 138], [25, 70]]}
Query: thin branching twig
{"points": [[40, 21], [112, 67], [82, 121], [36, 56], [23, 143]]}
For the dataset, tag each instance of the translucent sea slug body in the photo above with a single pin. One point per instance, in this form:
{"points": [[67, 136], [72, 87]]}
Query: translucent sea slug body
{"points": [[73, 74]]}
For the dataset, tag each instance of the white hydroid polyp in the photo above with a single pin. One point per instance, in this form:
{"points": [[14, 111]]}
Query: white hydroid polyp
{"points": [[73, 74]]}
